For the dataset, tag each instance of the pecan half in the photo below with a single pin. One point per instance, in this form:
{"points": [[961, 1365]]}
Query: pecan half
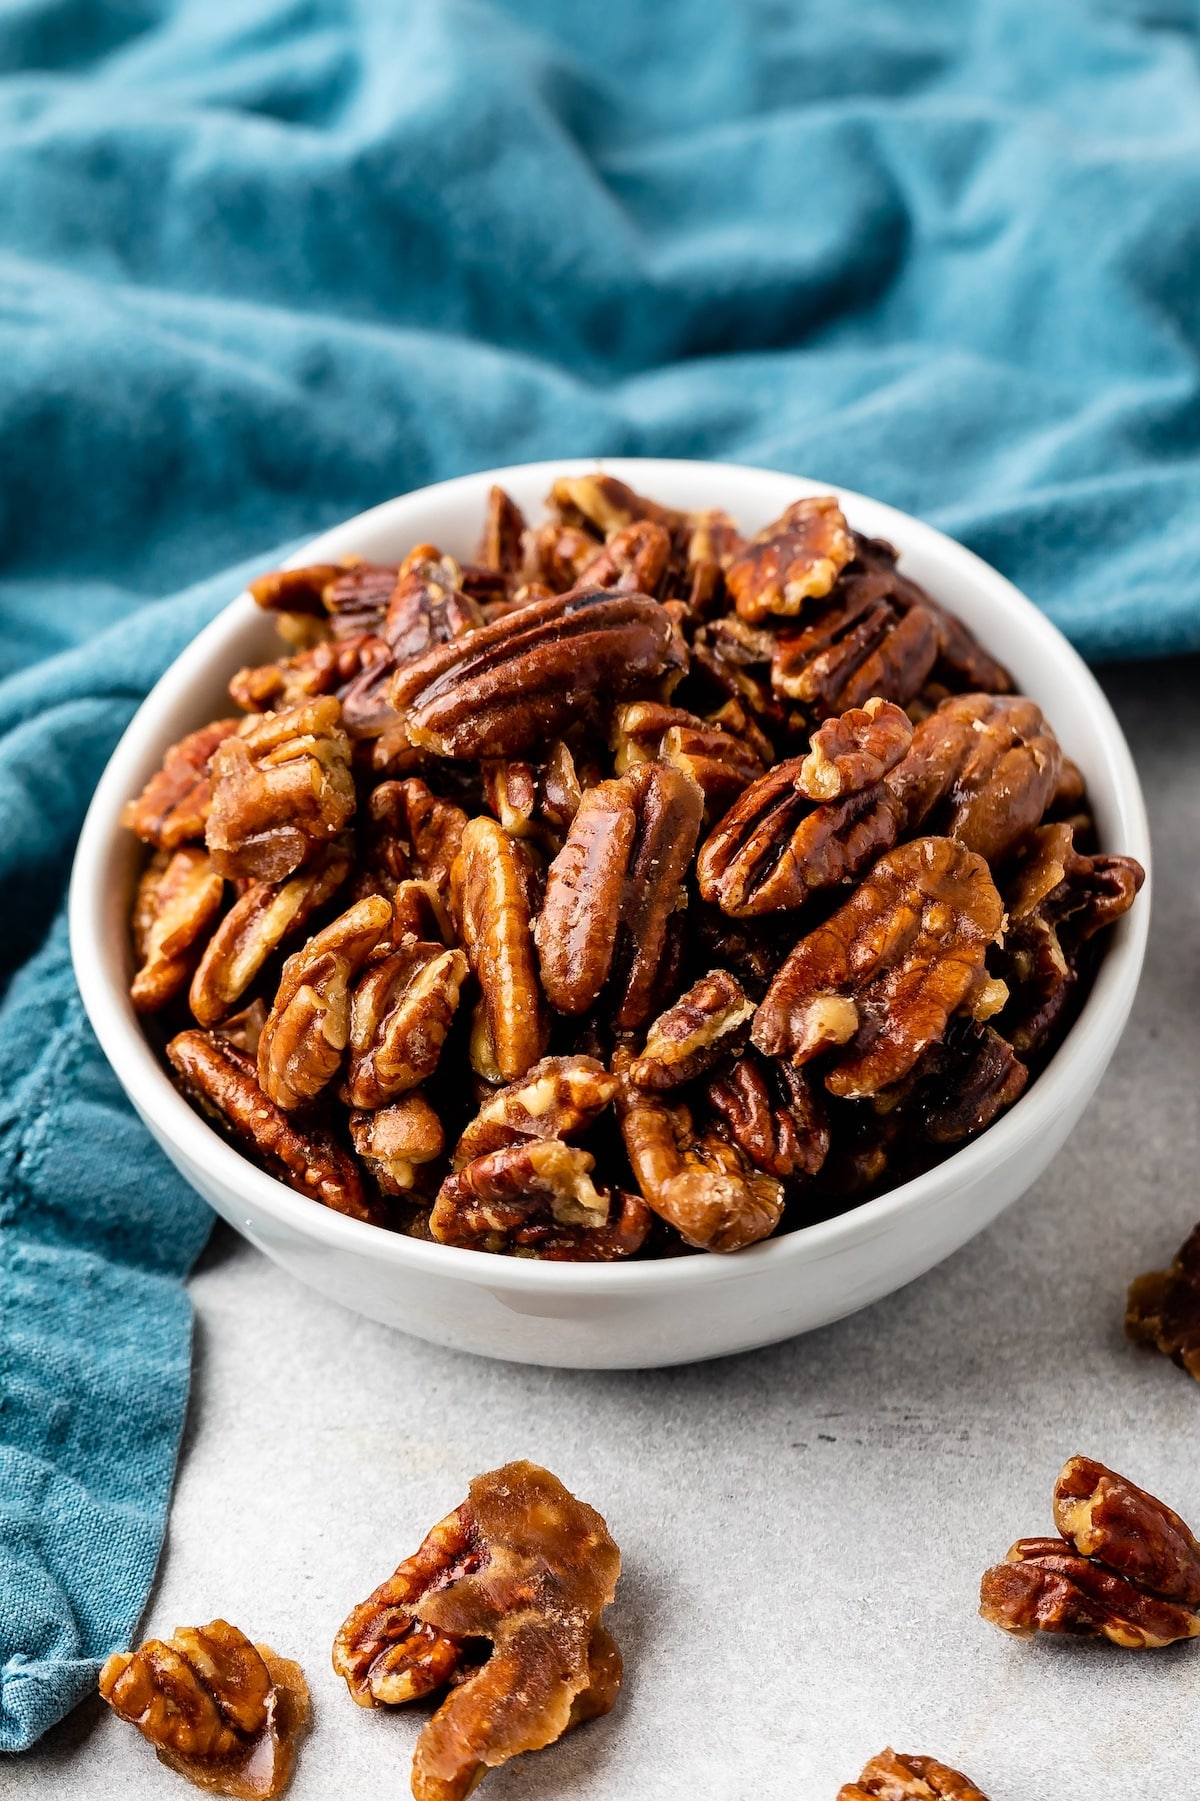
{"points": [[330, 667], [178, 900], [719, 761], [430, 828], [797, 558], [1163, 1309], [485, 1204], [401, 1010], [713, 1017], [172, 808], [526, 677], [634, 559], [503, 530], [221, 1080], [307, 1030], [559, 1097], [612, 889], [219, 1710], [524, 1566], [262, 919], [427, 608], [1107, 1517], [352, 595], [280, 790], [961, 1085], [703, 1186], [854, 751], [895, 1777], [773, 1114], [608, 505], [395, 1142], [883, 974], [493, 898]]}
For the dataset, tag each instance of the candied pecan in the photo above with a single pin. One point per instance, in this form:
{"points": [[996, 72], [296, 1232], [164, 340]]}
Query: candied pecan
{"points": [[720, 762], [503, 529], [493, 898], [895, 1777], [352, 595], [882, 976], [798, 557], [307, 1030], [524, 678], [394, 1142], [855, 649], [703, 1186], [219, 1710], [172, 808], [326, 668], [298, 590], [854, 751], [221, 1080], [963, 1083], [178, 899], [280, 790], [1163, 1308], [537, 1197], [244, 1029], [418, 911], [612, 889], [510, 787], [635, 559], [608, 505], [1045, 1586], [427, 608], [524, 1565], [555, 557], [713, 1017], [401, 1010], [559, 1097], [255, 926], [1110, 1519], [432, 828], [772, 1113]]}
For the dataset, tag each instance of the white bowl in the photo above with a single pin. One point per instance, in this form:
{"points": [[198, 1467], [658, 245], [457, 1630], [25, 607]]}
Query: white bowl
{"points": [[617, 1316]]}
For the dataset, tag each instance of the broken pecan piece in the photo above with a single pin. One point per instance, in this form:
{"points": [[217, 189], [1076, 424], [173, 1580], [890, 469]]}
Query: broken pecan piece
{"points": [[262, 919], [178, 900], [795, 559], [524, 1565], [395, 1142], [1163, 1309], [493, 898], [882, 976], [486, 1204], [559, 1097], [172, 808], [221, 1079], [331, 667], [634, 559], [401, 1010], [895, 1777], [773, 1114], [720, 762], [280, 790], [854, 751], [223, 1712], [712, 1018], [308, 1027]]}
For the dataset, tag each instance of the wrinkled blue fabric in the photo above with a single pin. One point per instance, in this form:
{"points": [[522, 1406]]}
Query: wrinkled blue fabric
{"points": [[266, 262]]}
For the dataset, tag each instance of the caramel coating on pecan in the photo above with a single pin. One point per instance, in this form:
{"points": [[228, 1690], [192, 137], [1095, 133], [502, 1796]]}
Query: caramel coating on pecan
{"points": [[608, 505], [280, 790], [221, 1079], [401, 1010], [223, 1712], [485, 1204], [1163, 1309], [773, 1115], [259, 921], [178, 900], [961, 1084], [712, 1018], [524, 678], [1045, 1586], [430, 827], [559, 1097], [330, 667], [854, 751], [795, 559], [493, 896], [395, 1142], [719, 761], [503, 529], [895, 1777], [1107, 1517], [634, 559], [883, 975], [703, 1186], [308, 1028], [878, 635], [173, 807]]}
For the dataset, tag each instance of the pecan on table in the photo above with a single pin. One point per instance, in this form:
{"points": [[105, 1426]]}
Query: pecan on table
{"points": [[281, 790], [612, 890], [712, 1018], [401, 1010], [878, 982], [259, 921], [221, 1079], [895, 1777], [558, 1098], [493, 898], [796, 559], [537, 1196], [1163, 1308], [178, 899], [173, 807], [773, 1114], [223, 1712], [395, 1142], [522, 1567], [304, 1040], [1125, 1567]]}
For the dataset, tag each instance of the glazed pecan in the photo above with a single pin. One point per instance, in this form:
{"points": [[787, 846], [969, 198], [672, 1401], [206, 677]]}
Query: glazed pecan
{"points": [[523, 1565], [219, 1710], [559, 1097], [427, 608], [537, 1197], [395, 1142], [634, 559], [503, 530], [607, 505], [703, 1186], [351, 596], [425, 827], [401, 1009], [712, 1018], [280, 790], [795, 559], [1110, 1519], [307, 1030], [868, 640], [178, 900], [854, 751], [612, 889], [895, 1777], [222, 1082], [262, 919], [172, 808], [330, 667], [1163, 1308], [719, 762], [959, 1086], [526, 677], [735, 659], [493, 897], [773, 1114], [882, 976]]}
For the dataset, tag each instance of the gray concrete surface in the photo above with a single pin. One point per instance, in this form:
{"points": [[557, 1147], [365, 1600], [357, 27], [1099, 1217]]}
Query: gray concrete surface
{"points": [[803, 1528]]}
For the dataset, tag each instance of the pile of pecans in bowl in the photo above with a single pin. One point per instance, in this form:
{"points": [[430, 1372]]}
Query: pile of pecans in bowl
{"points": [[636, 888]]}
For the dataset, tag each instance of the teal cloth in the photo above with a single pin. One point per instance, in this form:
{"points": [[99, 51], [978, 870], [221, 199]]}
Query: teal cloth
{"points": [[266, 262]]}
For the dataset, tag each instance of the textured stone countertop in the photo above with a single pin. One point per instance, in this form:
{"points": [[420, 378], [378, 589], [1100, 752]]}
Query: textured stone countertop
{"points": [[803, 1528]]}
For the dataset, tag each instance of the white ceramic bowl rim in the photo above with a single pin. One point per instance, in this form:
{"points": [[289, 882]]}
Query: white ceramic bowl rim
{"points": [[152, 1092]]}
